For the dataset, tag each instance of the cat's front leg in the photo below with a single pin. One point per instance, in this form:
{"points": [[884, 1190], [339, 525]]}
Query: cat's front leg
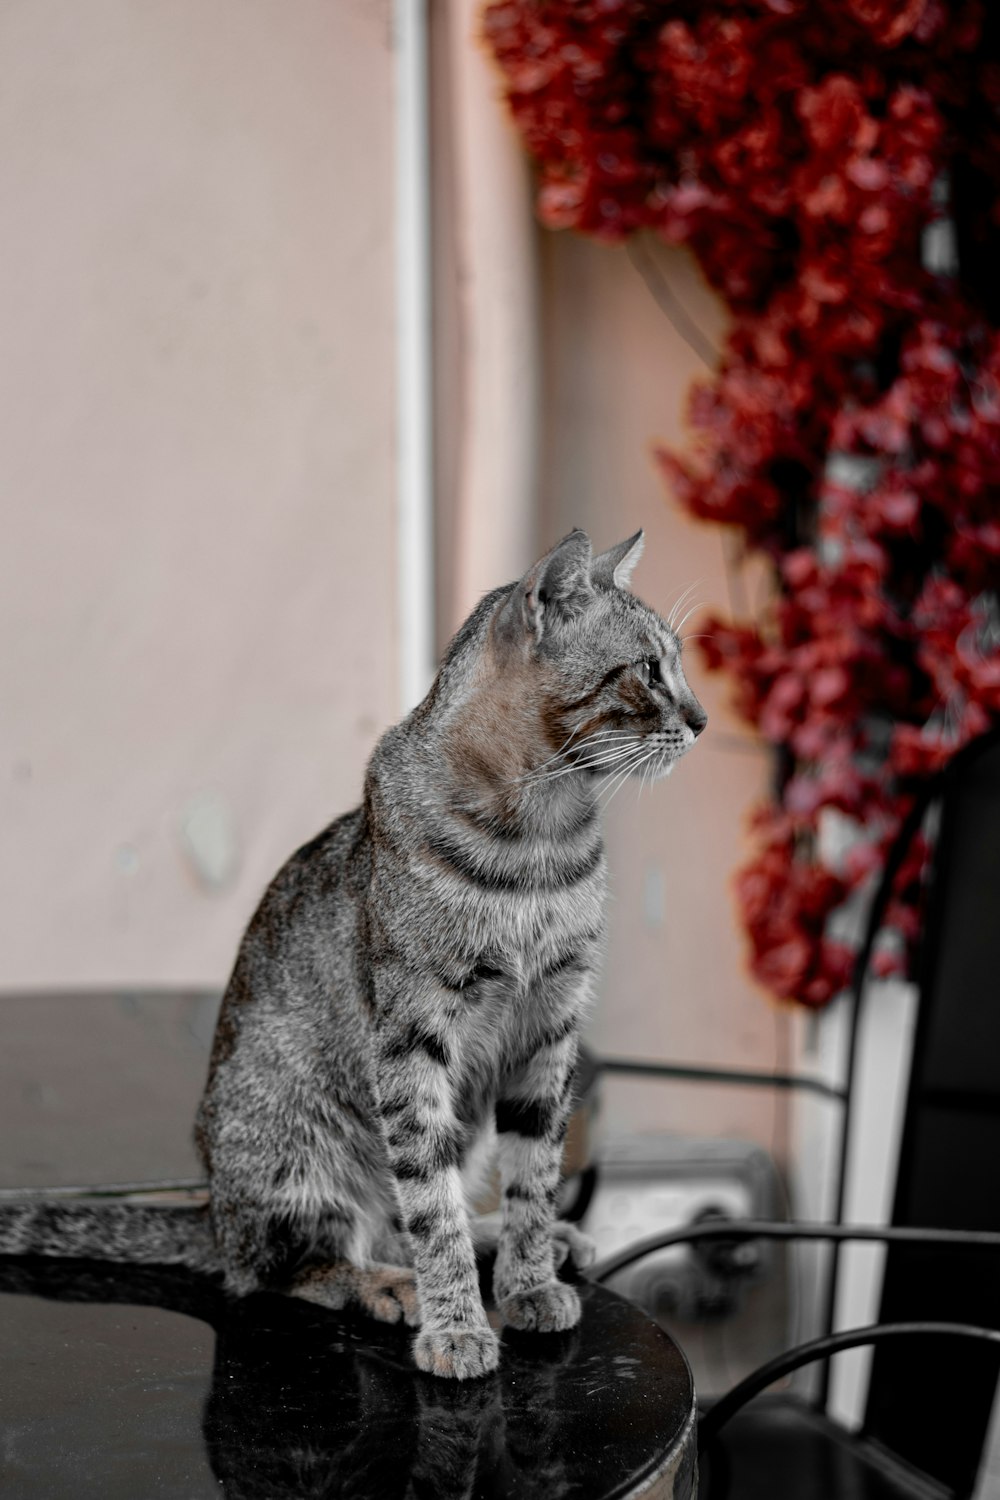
{"points": [[423, 1142], [569, 1244], [531, 1116]]}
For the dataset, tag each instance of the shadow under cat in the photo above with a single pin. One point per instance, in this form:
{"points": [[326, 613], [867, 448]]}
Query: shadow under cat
{"points": [[305, 1402]]}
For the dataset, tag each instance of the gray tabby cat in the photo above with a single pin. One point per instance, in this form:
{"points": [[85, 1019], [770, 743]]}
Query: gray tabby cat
{"points": [[406, 1002]]}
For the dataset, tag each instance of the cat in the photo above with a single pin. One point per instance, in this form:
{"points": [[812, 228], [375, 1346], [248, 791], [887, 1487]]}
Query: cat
{"points": [[406, 1002]]}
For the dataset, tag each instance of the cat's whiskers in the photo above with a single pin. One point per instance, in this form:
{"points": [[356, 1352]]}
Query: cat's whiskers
{"points": [[623, 776], [609, 756], [572, 735], [533, 774], [604, 742], [679, 604], [618, 781], [633, 758], [686, 616], [650, 770], [637, 744], [595, 765]]}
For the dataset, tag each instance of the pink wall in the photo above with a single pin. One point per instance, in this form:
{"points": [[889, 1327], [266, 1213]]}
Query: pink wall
{"points": [[197, 578]]}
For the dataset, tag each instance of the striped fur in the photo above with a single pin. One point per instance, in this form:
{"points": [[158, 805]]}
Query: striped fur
{"points": [[414, 979]]}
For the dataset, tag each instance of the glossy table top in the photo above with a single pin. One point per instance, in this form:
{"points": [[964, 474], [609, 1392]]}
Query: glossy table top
{"points": [[166, 1389], [148, 1382]]}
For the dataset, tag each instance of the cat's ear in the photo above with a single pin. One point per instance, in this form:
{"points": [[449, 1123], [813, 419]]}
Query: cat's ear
{"points": [[614, 568], [556, 587]]}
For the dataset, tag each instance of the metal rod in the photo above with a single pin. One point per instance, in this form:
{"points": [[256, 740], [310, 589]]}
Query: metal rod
{"points": [[746, 1076], [771, 1229], [718, 1415], [105, 1189]]}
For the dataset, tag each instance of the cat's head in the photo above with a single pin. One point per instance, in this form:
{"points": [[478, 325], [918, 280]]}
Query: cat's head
{"points": [[602, 669]]}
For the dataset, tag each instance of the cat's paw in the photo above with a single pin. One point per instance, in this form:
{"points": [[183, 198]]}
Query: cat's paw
{"points": [[545, 1309], [570, 1243], [389, 1293], [457, 1353]]}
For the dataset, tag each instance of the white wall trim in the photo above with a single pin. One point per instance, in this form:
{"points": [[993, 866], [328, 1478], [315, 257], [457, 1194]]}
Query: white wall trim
{"points": [[881, 1082], [414, 355], [881, 1085]]}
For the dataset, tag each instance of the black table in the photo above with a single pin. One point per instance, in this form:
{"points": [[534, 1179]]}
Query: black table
{"points": [[148, 1382]]}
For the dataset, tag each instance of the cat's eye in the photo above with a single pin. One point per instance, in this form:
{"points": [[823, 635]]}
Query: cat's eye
{"points": [[649, 671]]}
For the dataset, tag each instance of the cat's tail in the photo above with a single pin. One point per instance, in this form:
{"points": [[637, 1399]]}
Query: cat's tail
{"points": [[130, 1232]]}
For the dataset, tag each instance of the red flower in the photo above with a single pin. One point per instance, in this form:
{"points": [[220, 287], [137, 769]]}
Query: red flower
{"points": [[835, 117], [916, 752]]}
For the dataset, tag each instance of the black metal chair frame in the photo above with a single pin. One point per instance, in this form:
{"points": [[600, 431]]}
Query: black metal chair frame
{"points": [[836, 1232]]}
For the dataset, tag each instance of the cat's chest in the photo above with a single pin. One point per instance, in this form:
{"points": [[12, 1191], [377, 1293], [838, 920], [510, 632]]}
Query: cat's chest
{"points": [[499, 1027], [527, 972], [514, 909], [527, 930]]}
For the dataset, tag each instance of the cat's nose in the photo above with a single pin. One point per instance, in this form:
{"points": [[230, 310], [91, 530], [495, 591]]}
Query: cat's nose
{"points": [[696, 718]]}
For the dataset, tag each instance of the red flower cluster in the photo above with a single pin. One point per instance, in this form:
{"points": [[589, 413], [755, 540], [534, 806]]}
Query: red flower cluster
{"points": [[800, 148], [786, 902]]}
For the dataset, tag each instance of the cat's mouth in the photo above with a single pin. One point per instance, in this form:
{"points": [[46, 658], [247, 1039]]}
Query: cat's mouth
{"points": [[662, 764]]}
